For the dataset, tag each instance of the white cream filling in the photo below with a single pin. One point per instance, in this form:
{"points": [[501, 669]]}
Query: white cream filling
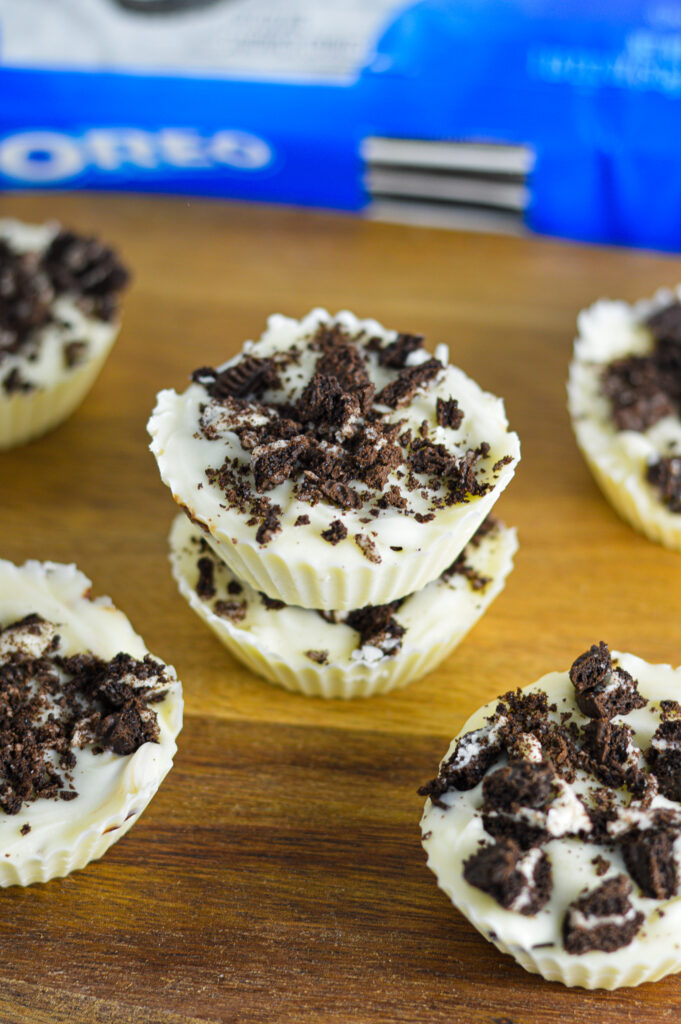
{"points": [[451, 835], [108, 784], [43, 363], [184, 455], [526, 866], [578, 919]]}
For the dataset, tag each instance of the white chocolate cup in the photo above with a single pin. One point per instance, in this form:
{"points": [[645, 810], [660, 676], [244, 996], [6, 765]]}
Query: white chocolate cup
{"points": [[113, 789], [272, 643]]}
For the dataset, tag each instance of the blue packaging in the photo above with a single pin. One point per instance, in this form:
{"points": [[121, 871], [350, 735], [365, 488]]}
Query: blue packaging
{"points": [[513, 113]]}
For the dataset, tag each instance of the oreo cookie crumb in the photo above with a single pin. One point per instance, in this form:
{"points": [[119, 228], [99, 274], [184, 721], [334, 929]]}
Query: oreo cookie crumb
{"points": [[235, 611], [395, 354], [399, 392], [74, 353], [205, 585], [665, 476], [588, 923], [335, 533], [367, 547], [377, 626], [644, 389], [321, 657], [517, 880], [601, 864], [651, 862], [85, 268], [448, 413]]}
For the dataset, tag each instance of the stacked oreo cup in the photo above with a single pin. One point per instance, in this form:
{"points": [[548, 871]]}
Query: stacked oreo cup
{"points": [[337, 482]]}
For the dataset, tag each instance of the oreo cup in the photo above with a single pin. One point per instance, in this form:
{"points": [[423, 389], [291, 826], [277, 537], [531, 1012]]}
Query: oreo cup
{"points": [[75, 787], [624, 400], [58, 322], [341, 654], [334, 464], [558, 833]]}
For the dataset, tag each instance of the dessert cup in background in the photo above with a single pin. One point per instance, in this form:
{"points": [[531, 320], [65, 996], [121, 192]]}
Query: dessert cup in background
{"points": [[554, 823], [624, 398], [334, 464], [70, 792], [58, 321], [342, 654]]}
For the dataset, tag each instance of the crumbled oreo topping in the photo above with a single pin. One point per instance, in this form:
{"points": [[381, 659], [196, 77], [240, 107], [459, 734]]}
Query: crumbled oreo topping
{"points": [[600, 690], [335, 533], [52, 705], [320, 657], [665, 475], [26, 296], [517, 880], [233, 610], [395, 354], [652, 862], [73, 265], [205, 585], [602, 919], [448, 413], [334, 439], [644, 389], [85, 268], [544, 776], [377, 626], [248, 377]]}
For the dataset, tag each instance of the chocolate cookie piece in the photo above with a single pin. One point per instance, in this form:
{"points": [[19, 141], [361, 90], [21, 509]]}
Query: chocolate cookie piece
{"points": [[635, 387], [603, 919], [473, 755], [448, 413], [85, 268], [327, 405], [610, 751], [603, 691], [377, 626], [517, 880], [644, 389], [665, 475], [665, 325], [591, 668], [664, 758], [510, 792], [26, 295], [399, 392], [652, 863], [250, 377]]}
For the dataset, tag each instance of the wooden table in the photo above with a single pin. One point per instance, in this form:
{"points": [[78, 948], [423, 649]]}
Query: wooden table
{"points": [[278, 875]]}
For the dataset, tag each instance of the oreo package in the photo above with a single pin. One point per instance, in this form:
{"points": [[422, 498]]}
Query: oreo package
{"points": [[501, 114]]}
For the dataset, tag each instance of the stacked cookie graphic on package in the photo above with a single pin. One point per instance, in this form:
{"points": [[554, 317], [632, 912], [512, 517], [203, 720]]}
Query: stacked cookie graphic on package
{"points": [[337, 482]]}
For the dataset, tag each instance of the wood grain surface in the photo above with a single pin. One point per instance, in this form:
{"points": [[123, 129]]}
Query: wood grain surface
{"points": [[278, 875]]}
